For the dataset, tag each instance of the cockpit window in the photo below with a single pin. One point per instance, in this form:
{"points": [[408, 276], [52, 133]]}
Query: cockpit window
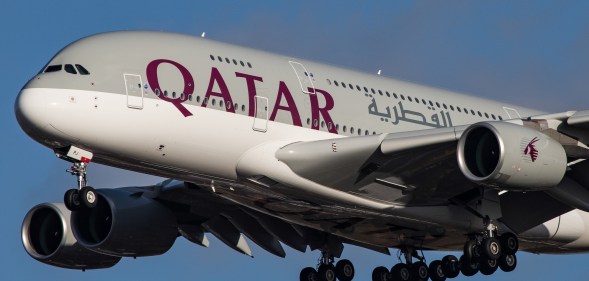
{"points": [[53, 68], [82, 70], [70, 69]]}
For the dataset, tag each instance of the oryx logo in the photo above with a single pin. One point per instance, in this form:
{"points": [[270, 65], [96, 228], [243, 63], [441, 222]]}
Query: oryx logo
{"points": [[531, 149]]}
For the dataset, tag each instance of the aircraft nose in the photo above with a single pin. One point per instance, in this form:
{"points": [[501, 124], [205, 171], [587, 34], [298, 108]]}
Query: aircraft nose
{"points": [[30, 110]]}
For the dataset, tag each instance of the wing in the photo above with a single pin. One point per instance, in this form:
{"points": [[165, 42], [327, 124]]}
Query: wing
{"points": [[422, 168]]}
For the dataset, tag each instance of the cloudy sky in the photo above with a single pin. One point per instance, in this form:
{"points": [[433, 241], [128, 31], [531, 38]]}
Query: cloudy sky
{"points": [[533, 53]]}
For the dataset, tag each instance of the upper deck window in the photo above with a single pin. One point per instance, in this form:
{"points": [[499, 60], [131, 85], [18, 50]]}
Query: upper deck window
{"points": [[53, 68]]}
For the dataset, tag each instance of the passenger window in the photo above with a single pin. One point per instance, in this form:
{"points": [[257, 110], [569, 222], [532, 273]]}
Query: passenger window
{"points": [[70, 69], [53, 68], [82, 70]]}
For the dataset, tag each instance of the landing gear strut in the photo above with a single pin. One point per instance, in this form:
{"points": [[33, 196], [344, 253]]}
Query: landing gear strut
{"points": [[83, 196]]}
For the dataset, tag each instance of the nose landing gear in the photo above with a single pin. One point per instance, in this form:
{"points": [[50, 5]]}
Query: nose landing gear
{"points": [[83, 196]]}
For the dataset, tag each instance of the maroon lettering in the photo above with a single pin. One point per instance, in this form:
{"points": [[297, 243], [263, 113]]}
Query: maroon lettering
{"points": [[216, 78], [290, 105], [317, 111], [251, 90], [152, 79]]}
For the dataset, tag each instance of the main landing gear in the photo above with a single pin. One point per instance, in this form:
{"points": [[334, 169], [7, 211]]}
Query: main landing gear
{"points": [[83, 196], [487, 251], [326, 271], [484, 253], [409, 270]]}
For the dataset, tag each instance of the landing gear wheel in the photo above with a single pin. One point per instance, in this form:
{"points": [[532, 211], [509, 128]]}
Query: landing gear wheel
{"points": [[488, 266], [400, 272], [326, 272], [450, 266], [435, 271], [492, 248], [468, 267], [381, 273], [509, 243], [419, 271], [309, 274], [507, 263], [88, 197], [71, 199], [344, 270], [472, 251]]}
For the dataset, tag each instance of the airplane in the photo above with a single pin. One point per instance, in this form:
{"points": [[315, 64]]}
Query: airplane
{"points": [[287, 151]]}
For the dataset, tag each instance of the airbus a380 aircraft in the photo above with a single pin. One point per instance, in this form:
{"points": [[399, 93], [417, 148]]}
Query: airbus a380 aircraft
{"points": [[291, 152]]}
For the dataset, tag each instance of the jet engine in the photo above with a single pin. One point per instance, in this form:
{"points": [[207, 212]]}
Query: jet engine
{"points": [[47, 237], [125, 223], [508, 156]]}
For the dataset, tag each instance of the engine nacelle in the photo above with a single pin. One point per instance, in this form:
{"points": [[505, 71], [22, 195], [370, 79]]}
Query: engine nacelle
{"points": [[125, 224], [47, 237], [508, 156]]}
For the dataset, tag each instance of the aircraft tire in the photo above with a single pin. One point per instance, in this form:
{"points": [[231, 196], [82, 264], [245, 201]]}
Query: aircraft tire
{"points": [[326, 272], [71, 199], [507, 263], [450, 266], [344, 270], [491, 248], [468, 267], [435, 271], [88, 197], [381, 273], [419, 271], [401, 272], [488, 266], [509, 243], [308, 274]]}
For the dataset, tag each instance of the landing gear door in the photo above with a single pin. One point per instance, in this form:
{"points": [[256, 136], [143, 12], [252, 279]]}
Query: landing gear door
{"points": [[305, 77], [261, 118], [134, 91]]}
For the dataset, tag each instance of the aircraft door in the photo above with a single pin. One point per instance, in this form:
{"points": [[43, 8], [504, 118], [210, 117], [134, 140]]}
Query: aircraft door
{"points": [[511, 112], [261, 118], [305, 77], [134, 91]]}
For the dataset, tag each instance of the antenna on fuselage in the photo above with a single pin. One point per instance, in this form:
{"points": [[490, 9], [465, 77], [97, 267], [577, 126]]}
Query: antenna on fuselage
{"points": [[203, 34], [378, 73]]}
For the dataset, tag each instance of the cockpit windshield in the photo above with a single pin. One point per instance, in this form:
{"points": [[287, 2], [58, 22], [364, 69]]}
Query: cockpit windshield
{"points": [[69, 68]]}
